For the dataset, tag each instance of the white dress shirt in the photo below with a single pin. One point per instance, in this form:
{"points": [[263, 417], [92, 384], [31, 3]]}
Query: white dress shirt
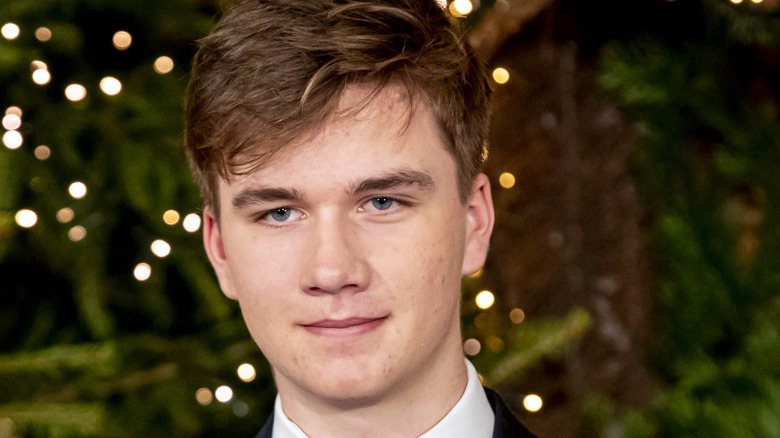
{"points": [[471, 417]]}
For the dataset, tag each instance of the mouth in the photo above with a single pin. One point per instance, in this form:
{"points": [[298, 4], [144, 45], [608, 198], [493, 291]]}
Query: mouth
{"points": [[344, 327]]}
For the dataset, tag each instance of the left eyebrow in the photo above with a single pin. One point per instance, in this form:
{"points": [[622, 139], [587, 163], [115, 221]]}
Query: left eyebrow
{"points": [[394, 180]]}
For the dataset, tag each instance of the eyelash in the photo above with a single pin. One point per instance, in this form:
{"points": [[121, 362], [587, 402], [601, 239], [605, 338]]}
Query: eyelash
{"points": [[396, 204]]}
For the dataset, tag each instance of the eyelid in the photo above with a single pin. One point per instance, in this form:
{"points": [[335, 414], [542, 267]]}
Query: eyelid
{"points": [[262, 216]]}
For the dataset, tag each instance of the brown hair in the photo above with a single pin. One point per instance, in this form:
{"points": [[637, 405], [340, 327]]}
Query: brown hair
{"points": [[271, 70]]}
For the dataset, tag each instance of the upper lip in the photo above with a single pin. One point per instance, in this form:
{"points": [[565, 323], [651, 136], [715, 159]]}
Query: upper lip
{"points": [[342, 323]]}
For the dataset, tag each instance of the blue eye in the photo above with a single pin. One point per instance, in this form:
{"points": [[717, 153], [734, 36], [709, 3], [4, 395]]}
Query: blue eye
{"points": [[280, 214], [382, 203]]}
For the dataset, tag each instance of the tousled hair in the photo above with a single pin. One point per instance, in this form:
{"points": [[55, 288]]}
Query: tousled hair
{"points": [[272, 70]]}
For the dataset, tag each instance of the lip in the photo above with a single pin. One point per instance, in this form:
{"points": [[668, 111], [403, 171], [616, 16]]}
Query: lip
{"points": [[344, 327]]}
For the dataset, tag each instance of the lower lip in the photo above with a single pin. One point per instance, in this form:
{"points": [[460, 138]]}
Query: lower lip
{"points": [[340, 332]]}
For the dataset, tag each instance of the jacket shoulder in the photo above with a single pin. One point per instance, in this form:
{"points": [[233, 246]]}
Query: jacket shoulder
{"points": [[506, 424]]}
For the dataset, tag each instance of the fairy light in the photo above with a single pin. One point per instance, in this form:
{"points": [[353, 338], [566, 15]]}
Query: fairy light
{"points": [[171, 217], [501, 75], [223, 394], [203, 396], [13, 139], [41, 76], [77, 233], [461, 7], [472, 347], [246, 372], [495, 344], [161, 248], [43, 34], [485, 299], [532, 403], [507, 180], [14, 110], [65, 215], [26, 218], [163, 65], [77, 190], [240, 409], [42, 152], [736, 2], [12, 122], [110, 85], [191, 222], [142, 272], [122, 40], [10, 31], [75, 92], [516, 315]]}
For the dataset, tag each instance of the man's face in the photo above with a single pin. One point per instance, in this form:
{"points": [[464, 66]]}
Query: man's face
{"points": [[345, 254]]}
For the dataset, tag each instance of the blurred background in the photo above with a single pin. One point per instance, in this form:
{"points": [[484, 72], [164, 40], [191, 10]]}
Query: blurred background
{"points": [[633, 285]]}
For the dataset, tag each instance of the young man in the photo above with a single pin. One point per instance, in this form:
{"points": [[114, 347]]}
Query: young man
{"points": [[337, 146]]}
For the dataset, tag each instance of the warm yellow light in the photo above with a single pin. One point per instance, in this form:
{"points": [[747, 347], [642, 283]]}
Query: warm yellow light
{"points": [[495, 344], [171, 217], [485, 152], [110, 85], [65, 215], [507, 180], [78, 190], [161, 248], [246, 372], [37, 65], [485, 299], [43, 34], [736, 2], [122, 40], [12, 139], [223, 394], [756, 1], [191, 222], [41, 76], [75, 92], [472, 347], [461, 7], [203, 396], [501, 75], [10, 31], [14, 110], [163, 65], [477, 273], [42, 152], [12, 122], [142, 272], [532, 403], [77, 233], [517, 315], [26, 218]]}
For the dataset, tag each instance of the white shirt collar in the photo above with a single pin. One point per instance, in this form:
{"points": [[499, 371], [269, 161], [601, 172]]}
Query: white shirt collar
{"points": [[471, 417]]}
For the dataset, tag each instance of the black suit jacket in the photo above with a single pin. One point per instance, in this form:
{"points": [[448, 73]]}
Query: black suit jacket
{"points": [[506, 425]]}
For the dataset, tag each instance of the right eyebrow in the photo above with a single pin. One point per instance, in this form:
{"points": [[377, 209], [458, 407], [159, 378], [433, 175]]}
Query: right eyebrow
{"points": [[252, 196]]}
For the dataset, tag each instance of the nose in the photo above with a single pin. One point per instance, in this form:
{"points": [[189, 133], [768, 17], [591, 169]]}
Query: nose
{"points": [[334, 262]]}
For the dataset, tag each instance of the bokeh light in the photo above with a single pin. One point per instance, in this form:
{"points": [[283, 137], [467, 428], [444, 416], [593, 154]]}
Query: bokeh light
{"points": [[532, 403], [65, 215], [191, 222], [163, 65], [461, 7], [12, 122], [142, 272], [14, 110], [476, 274], [110, 85], [77, 190], [223, 394], [203, 396], [75, 92], [77, 233], [10, 31], [43, 34], [161, 248], [171, 217], [26, 218], [41, 76], [42, 152], [501, 75], [517, 315], [13, 139], [485, 299], [122, 40], [507, 180], [472, 347], [494, 344], [246, 372], [240, 409]]}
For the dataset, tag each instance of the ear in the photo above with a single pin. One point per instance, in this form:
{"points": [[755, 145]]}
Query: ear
{"points": [[479, 225], [215, 249]]}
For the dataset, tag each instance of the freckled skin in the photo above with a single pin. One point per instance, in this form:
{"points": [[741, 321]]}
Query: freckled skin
{"points": [[339, 258]]}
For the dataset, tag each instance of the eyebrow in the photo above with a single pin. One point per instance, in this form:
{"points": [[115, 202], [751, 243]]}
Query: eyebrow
{"points": [[264, 194], [394, 180]]}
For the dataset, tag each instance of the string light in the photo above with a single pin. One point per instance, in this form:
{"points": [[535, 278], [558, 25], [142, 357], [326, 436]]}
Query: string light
{"points": [[12, 122], [77, 190], [10, 31], [42, 152], [75, 92], [14, 110], [517, 315], [41, 76], [191, 222], [495, 344], [65, 215], [460, 8], [507, 180], [161, 248], [203, 396], [142, 272], [77, 233], [13, 139], [122, 40], [26, 218], [223, 394], [43, 34], [110, 85], [532, 403], [501, 75], [736, 2], [171, 217], [485, 299], [472, 347], [246, 372], [163, 65], [240, 409]]}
